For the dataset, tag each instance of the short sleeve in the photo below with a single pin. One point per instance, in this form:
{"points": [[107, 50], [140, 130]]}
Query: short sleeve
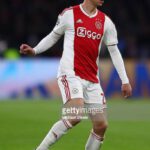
{"points": [[60, 25], [110, 33]]}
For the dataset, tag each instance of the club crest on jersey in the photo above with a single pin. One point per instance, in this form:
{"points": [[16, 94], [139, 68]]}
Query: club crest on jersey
{"points": [[83, 32], [98, 24]]}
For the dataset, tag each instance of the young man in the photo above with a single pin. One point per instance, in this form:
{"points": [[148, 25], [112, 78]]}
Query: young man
{"points": [[84, 27]]}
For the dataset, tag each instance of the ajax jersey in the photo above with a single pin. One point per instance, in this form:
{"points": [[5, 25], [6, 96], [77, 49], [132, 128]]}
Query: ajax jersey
{"points": [[83, 36]]}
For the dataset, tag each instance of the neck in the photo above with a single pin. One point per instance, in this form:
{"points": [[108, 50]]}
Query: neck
{"points": [[89, 7]]}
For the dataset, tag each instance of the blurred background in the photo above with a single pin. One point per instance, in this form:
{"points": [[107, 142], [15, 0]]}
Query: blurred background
{"points": [[23, 21], [30, 100]]}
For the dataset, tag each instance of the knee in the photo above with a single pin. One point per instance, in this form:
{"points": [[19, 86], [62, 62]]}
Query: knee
{"points": [[75, 122], [100, 127]]}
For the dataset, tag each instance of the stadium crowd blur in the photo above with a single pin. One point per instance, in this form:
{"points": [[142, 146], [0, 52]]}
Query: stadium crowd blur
{"points": [[28, 21]]}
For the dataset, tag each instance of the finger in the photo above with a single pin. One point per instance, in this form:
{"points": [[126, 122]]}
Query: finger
{"points": [[125, 94], [23, 46], [24, 51], [128, 94]]}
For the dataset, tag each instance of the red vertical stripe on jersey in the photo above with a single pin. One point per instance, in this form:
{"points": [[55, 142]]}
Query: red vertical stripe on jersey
{"points": [[66, 87], [88, 35]]}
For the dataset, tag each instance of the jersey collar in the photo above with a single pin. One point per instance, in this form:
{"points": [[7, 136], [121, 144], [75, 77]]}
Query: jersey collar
{"points": [[90, 16]]}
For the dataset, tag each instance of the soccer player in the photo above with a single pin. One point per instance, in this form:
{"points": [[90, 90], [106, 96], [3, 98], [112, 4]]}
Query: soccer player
{"points": [[84, 28]]}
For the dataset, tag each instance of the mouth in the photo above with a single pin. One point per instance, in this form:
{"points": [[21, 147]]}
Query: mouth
{"points": [[101, 2]]}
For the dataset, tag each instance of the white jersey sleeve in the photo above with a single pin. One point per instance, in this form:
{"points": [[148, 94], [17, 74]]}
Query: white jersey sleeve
{"points": [[111, 40], [60, 26], [110, 33], [118, 63], [53, 37]]}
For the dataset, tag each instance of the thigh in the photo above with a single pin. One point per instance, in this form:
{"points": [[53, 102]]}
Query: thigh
{"points": [[70, 88], [72, 110]]}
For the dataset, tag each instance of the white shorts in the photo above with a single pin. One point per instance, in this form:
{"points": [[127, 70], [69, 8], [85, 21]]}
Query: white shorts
{"points": [[72, 87]]}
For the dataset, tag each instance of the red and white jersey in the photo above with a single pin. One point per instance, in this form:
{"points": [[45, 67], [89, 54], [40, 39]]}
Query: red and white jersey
{"points": [[82, 41], [83, 36]]}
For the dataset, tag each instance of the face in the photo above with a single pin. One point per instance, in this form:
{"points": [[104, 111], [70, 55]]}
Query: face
{"points": [[97, 2]]}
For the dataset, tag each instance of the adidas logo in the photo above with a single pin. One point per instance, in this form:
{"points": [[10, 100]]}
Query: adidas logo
{"points": [[79, 21]]}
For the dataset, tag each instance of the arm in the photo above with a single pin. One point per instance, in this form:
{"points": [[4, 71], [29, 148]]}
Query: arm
{"points": [[43, 45], [118, 63], [48, 41], [110, 39]]}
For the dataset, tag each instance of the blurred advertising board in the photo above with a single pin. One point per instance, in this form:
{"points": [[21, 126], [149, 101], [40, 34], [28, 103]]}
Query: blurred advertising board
{"points": [[36, 78], [138, 73], [28, 78]]}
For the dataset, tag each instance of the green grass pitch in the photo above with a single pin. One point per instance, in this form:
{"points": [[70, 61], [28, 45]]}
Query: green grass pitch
{"points": [[23, 124]]}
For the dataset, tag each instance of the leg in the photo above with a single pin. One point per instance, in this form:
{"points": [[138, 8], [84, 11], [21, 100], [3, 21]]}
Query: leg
{"points": [[74, 117], [95, 101], [99, 121], [62, 126], [72, 94]]}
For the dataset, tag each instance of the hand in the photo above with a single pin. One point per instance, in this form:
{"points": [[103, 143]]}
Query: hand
{"points": [[26, 49], [126, 90]]}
